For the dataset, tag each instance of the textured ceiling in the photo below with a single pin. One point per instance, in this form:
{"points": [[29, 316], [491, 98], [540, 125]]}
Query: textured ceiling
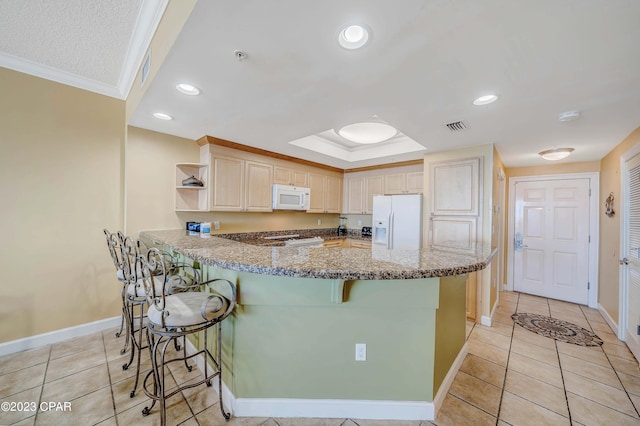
{"points": [[96, 45], [425, 63]]}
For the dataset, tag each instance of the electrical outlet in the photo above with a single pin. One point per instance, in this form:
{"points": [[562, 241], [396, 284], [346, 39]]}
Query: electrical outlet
{"points": [[361, 351], [216, 224], [359, 223], [639, 330], [319, 221]]}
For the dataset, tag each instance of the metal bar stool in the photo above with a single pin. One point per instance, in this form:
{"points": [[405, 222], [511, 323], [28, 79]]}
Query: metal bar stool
{"points": [[136, 299], [172, 316], [115, 250]]}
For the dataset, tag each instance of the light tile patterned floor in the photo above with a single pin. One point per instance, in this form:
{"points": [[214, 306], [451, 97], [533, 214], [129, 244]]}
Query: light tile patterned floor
{"points": [[510, 377]]}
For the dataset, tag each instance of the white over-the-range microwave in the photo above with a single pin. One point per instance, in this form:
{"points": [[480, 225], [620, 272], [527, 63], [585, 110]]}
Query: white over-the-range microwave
{"points": [[287, 197]]}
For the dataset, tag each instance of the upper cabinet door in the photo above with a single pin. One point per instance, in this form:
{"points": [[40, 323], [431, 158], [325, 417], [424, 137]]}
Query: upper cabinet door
{"points": [[354, 199], [258, 188], [374, 185], [455, 188], [317, 185], [415, 183], [333, 200], [394, 184], [228, 184]]}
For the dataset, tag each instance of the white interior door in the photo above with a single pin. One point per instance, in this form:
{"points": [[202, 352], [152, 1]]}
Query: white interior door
{"points": [[551, 244], [630, 248]]}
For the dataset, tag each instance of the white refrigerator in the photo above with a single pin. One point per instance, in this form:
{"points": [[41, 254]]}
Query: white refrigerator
{"points": [[397, 221]]}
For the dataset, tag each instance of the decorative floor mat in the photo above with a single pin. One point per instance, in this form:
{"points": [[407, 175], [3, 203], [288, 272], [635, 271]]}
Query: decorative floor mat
{"points": [[562, 331]]}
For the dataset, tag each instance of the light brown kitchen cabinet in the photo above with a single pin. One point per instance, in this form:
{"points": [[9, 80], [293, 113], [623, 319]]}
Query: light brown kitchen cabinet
{"points": [[228, 184], [332, 243], [374, 185], [326, 193], [415, 183], [287, 176], [359, 244], [241, 185], [404, 183], [355, 196], [258, 194], [360, 192]]}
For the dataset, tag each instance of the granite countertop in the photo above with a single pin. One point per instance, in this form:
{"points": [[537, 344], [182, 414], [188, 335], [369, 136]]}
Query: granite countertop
{"points": [[230, 252]]}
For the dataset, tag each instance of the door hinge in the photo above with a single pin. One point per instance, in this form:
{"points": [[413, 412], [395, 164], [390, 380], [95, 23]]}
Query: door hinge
{"points": [[589, 238], [589, 192], [588, 285]]}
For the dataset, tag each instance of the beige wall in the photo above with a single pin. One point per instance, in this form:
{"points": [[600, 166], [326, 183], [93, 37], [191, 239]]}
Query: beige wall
{"points": [[61, 151], [554, 169], [610, 226]]}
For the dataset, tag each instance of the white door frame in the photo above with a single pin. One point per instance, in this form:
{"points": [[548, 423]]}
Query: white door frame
{"points": [[594, 223], [623, 282]]}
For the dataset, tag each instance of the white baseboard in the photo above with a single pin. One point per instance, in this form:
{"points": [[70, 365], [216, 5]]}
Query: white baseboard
{"points": [[613, 324], [485, 320], [448, 380], [336, 408], [38, 340]]}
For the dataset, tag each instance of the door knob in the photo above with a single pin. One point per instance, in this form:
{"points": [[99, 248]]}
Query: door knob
{"points": [[624, 261]]}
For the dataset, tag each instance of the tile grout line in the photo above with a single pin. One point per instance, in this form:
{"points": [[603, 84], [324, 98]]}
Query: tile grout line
{"points": [[616, 373], [564, 386], [113, 398], [506, 368], [44, 376]]}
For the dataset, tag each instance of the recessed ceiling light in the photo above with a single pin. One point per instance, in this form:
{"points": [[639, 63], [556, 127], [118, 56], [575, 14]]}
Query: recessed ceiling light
{"points": [[556, 154], [353, 37], [187, 89], [162, 116], [484, 100], [368, 132]]}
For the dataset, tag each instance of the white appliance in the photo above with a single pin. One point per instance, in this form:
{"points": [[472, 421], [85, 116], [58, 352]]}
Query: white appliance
{"points": [[287, 197], [397, 221]]}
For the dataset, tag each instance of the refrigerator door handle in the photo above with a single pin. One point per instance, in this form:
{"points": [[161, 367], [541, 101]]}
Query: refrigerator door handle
{"points": [[390, 233]]}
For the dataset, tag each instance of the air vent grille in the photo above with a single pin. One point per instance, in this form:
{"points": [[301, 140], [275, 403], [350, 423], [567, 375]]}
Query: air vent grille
{"points": [[456, 126]]}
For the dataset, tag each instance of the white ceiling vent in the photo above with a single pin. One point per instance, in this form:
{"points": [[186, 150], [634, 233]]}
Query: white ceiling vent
{"points": [[456, 126]]}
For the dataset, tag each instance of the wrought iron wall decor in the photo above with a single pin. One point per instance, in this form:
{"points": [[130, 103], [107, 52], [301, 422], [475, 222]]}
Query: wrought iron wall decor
{"points": [[608, 204]]}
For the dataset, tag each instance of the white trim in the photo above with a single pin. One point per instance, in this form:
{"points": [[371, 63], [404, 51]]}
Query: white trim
{"points": [[485, 320], [623, 279], [594, 224], [336, 408], [38, 340], [608, 319], [151, 13], [448, 380]]}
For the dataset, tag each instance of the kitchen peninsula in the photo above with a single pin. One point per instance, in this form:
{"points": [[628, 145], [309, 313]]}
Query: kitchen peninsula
{"points": [[289, 348]]}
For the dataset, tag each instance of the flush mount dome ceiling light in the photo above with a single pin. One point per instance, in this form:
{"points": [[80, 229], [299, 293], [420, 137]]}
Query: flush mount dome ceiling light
{"points": [[368, 132], [556, 154], [187, 89], [162, 116], [485, 100], [353, 37]]}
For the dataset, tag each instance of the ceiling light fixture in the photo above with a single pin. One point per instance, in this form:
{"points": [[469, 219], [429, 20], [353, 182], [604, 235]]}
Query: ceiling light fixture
{"points": [[485, 100], [569, 116], [187, 89], [368, 132], [162, 116], [353, 37], [556, 154]]}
